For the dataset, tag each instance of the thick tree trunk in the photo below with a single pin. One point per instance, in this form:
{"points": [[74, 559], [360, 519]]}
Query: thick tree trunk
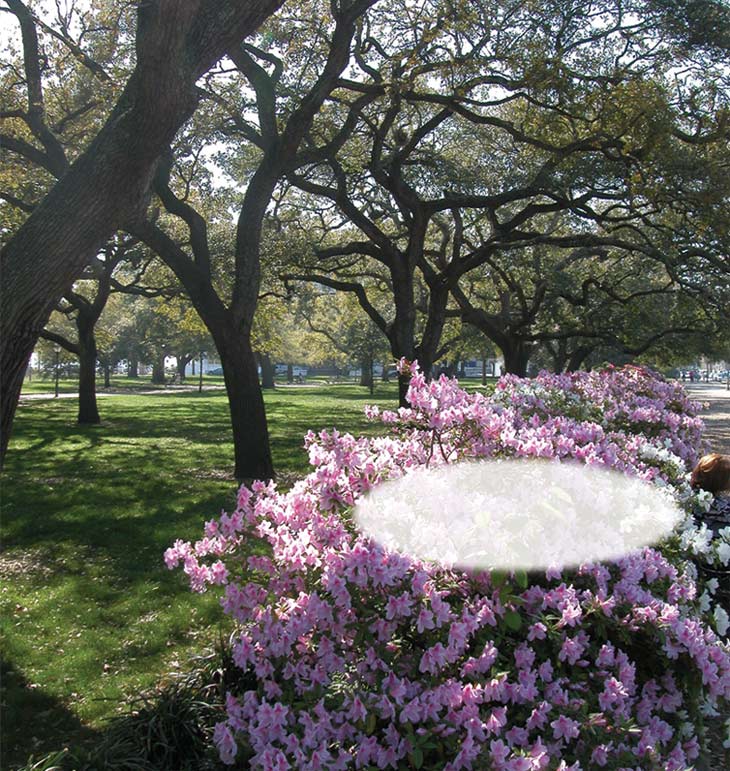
{"points": [[289, 373], [402, 336], [384, 374], [248, 415], [133, 367], [427, 350], [484, 369], [177, 41], [578, 357], [158, 369], [366, 378], [267, 371], [403, 382], [88, 410], [107, 376], [516, 356], [182, 363], [559, 355]]}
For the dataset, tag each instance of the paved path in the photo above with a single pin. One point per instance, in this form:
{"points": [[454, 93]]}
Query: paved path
{"points": [[717, 416], [121, 392], [101, 392]]}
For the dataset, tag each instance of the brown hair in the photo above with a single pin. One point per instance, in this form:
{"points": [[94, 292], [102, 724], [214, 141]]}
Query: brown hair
{"points": [[712, 473]]}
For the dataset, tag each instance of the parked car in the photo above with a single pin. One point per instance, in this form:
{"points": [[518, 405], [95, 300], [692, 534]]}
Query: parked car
{"points": [[216, 371]]}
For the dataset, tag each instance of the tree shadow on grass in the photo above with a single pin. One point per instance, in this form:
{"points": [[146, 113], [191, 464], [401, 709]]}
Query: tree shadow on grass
{"points": [[34, 722]]}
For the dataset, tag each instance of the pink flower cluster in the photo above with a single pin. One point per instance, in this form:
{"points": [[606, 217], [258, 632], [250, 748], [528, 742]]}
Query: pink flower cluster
{"points": [[352, 656], [630, 399]]}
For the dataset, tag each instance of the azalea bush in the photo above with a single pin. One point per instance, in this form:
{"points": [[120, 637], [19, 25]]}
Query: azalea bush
{"points": [[350, 655]]}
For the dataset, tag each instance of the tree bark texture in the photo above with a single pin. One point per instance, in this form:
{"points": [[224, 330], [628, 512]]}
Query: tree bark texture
{"points": [[182, 363], [177, 41], [267, 371], [88, 410], [578, 356], [248, 416], [365, 373], [158, 369], [516, 356]]}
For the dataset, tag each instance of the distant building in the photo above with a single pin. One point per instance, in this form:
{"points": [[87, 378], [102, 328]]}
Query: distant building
{"points": [[474, 367], [211, 366]]}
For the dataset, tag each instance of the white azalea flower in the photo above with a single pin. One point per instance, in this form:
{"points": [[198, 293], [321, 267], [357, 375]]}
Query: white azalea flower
{"points": [[722, 622], [723, 552]]}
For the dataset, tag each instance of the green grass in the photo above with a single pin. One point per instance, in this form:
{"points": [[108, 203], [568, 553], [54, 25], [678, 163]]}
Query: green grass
{"points": [[89, 614]]}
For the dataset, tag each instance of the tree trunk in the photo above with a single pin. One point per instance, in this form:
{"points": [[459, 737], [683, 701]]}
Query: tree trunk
{"points": [[402, 335], [578, 356], [177, 42], [289, 373], [427, 350], [267, 371], [484, 369], [158, 369], [403, 382], [516, 355], [366, 378], [385, 378], [248, 415], [107, 376], [88, 410], [133, 367], [182, 363]]}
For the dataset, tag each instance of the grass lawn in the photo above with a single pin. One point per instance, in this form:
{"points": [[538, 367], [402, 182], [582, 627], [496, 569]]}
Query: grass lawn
{"points": [[90, 616]]}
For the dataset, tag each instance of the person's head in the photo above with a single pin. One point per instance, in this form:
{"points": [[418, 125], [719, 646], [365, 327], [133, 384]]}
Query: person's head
{"points": [[712, 473]]}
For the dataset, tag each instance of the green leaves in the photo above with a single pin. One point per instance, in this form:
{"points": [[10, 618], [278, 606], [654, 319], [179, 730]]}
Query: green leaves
{"points": [[370, 723], [513, 620], [416, 757], [521, 578]]}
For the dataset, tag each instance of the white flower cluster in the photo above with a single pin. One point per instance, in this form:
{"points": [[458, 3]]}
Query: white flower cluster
{"points": [[663, 458], [697, 540], [722, 621], [723, 545]]}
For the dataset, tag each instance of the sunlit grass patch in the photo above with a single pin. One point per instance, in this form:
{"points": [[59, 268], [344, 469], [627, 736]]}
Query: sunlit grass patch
{"points": [[89, 614]]}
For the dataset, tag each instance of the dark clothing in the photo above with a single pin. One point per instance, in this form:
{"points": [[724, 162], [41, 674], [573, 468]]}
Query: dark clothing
{"points": [[718, 516]]}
